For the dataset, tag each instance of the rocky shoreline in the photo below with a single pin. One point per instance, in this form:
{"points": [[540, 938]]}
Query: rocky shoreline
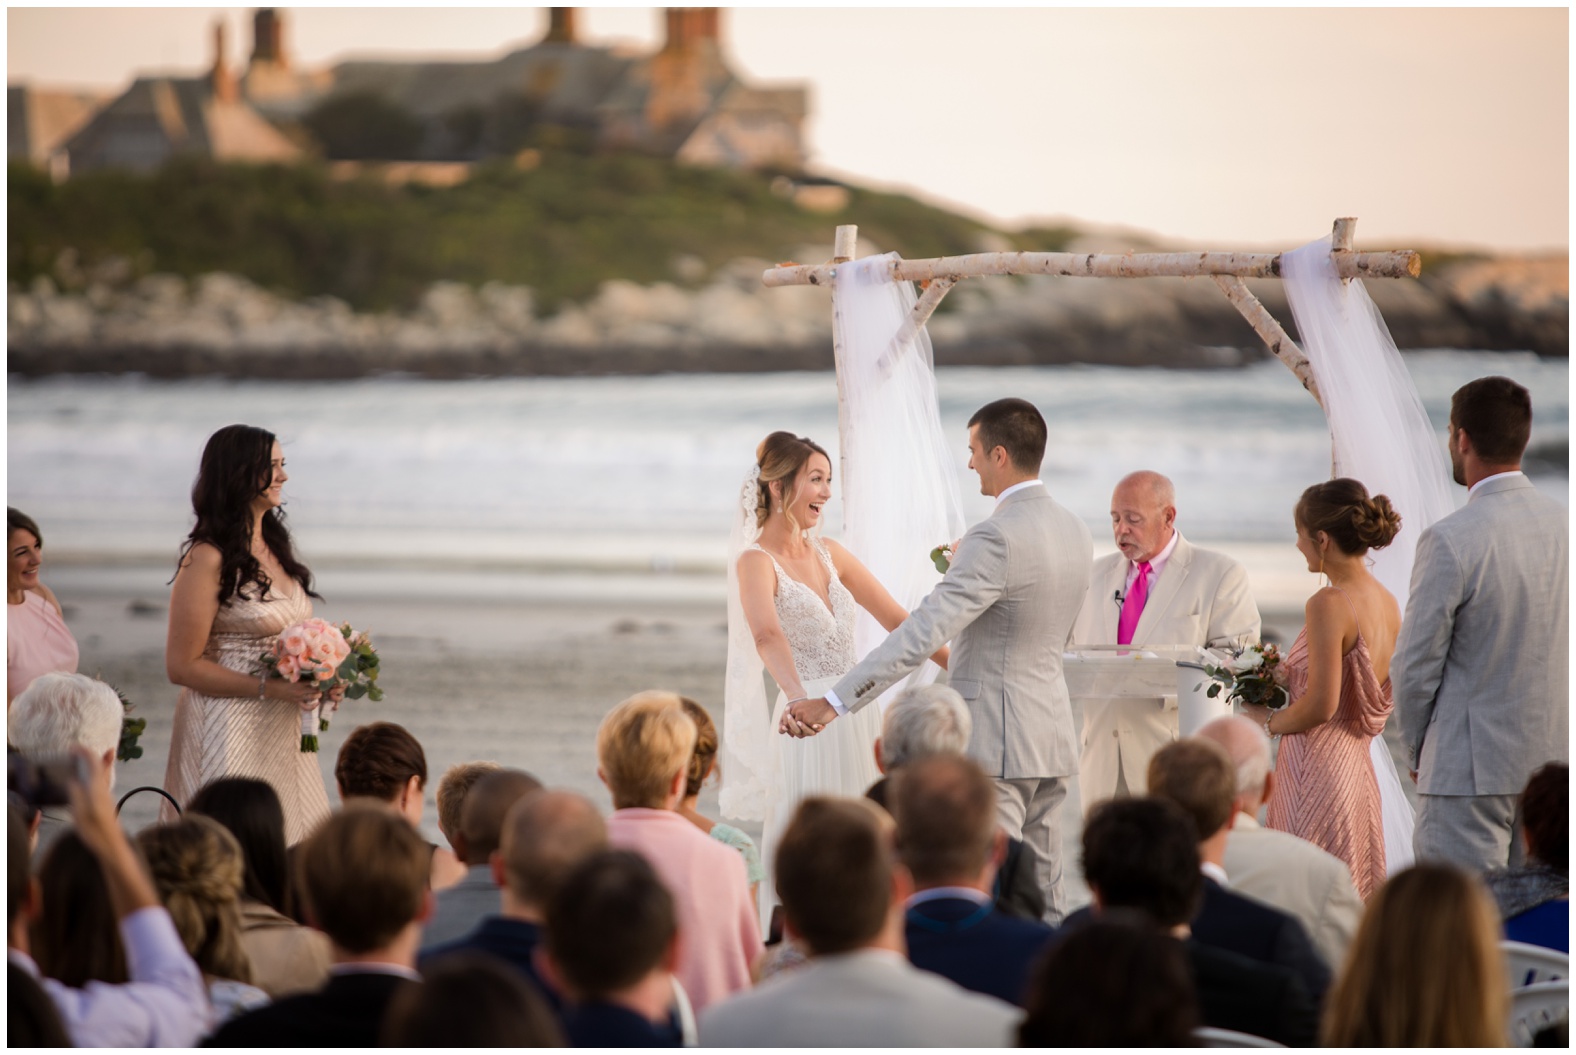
{"points": [[223, 325]]}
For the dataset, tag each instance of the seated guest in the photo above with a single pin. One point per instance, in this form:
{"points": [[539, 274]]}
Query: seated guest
{"points": [[611, 948], [843, 894], [53, 715], [165, 1003], [74, 938], [470, 1000], [453, 786], [1142, 854], [1115, 982], [643, 750], [545, 835], [934, 720], [460, 907], [1425, 970], [947, 837], [196, 867], [286, 957], [31, 1020], [702, 764], [1535, 899], [1198, 776], [1274, 867], [382, 762], [364, 877]]}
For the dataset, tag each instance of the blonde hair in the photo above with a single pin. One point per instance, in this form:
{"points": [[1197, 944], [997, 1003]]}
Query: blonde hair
{"points": [[453, 786], [781, 456], [1424, 970], [641, 745], [198, 869]]}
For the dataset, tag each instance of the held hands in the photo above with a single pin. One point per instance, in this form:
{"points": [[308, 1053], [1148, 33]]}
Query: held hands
{"points": [[804, 718]]}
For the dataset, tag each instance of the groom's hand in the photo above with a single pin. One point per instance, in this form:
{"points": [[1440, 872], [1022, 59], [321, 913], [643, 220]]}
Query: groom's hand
{"points": [[806, 717]]}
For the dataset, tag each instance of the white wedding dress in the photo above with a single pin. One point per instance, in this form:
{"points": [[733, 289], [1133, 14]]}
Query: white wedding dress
{"points": [[840, 760]]}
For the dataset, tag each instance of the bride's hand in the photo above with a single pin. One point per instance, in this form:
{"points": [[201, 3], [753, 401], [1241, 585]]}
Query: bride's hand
{"points": [[1256, 714]]}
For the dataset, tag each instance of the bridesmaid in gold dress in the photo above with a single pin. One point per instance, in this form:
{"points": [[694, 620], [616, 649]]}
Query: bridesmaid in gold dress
{"points": [[1338, 677], [237, 586]]}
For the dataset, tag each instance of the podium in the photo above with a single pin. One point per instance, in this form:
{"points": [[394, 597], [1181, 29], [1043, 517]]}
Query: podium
{"points": [[1097, 673]]}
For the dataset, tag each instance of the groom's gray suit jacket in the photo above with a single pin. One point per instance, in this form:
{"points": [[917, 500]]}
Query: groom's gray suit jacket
{"points": [[1007, 604], [1482, 667]]}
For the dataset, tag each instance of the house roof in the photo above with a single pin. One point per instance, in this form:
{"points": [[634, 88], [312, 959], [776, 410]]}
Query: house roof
{"points": [[161, 116]]}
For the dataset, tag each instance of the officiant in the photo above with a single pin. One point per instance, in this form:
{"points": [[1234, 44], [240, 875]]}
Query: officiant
{"points": [[1158, 590]]}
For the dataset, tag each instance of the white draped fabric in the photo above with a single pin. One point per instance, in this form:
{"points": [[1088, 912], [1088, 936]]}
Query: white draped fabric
{"points": [[1381, 435]]}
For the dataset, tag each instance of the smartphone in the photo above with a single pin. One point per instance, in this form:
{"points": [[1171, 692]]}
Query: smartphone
{"points": [[45, 781]]}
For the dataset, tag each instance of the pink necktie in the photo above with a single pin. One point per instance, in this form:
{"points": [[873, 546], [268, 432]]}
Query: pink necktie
{"points": [[1133, 606]]}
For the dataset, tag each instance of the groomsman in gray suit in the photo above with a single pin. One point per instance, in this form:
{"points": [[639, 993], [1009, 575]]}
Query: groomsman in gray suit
{"points": [[1008, 604], [1482, 667]]}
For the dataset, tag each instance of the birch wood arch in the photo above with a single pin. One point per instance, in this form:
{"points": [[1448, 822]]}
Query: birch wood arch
{"points": [[939, 275]]}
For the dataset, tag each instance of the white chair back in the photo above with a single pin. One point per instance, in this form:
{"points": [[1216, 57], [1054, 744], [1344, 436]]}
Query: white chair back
{"points": [[1530, 964], [1533, 1007], [686, 1014], [1210, 1037]]}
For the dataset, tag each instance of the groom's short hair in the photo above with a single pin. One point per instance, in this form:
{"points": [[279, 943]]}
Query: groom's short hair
{"points": [[1497, 413], [834, 873], [1016, 425]]}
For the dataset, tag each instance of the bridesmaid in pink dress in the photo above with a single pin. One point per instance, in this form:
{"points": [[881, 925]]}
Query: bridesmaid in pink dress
{"points": [[1337, 674], [37, 640]]}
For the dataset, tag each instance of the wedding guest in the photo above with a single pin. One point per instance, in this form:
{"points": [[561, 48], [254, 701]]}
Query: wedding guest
{"points": [[703, 763], [612, 947], [37, 639], [643, 751], [453, 786], [1197, 775], [364, 875], [1142, 854], [1274, 867], [165, 1003], [545, 835], [843, 894], [1534, 899], [1157, 589], [470, 1000], [948, 839], [1425, 970], [382, 762], [196, 867], [31, 1020], [55, 714], [934, 720], [1114, 982], [238, 584], [73, 938], [1482, 668], [460, 907], [286, 957]]}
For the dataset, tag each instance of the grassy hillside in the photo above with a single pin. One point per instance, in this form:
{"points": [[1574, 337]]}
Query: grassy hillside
{"points": [[562, 228]]}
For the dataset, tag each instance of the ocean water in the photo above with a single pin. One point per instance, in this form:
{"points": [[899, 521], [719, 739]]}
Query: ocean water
{"points": [[604, 486]]}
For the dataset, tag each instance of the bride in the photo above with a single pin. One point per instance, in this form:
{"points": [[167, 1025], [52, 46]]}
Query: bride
{"points": [[799, 594]]}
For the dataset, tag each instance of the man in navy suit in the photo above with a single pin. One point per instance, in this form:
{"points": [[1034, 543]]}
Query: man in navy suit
{"points": [[947, 837]]}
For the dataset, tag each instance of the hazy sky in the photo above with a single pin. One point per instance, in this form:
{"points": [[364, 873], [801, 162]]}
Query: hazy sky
{"points": [[1234, 127]]}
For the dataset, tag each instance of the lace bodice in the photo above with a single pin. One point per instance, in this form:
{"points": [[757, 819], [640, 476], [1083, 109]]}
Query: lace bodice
{"points": [[822, 639]]}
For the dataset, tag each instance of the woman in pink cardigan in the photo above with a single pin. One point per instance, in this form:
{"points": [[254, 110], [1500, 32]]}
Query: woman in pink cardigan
{"points": [[643, 750]]}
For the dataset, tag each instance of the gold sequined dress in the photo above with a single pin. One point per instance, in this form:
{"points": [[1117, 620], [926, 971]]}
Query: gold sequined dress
{"points": [[218, 737]]}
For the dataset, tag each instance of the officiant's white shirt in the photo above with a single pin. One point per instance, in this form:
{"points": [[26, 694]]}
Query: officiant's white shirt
{"points": [[831, 697]]}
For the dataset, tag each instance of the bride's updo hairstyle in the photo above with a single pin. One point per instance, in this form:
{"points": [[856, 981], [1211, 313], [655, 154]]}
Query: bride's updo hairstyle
{"points": [[780, 456], [237, 466], [1342, 509]]}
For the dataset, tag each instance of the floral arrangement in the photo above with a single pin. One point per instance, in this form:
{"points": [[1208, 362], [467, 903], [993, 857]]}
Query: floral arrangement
{"points": [[942, 556], [130, 730], [1248, 677], [330, 656]]}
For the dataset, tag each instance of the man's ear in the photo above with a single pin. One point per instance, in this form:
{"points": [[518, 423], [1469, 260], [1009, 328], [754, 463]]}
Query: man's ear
{"points": [[500, 874], [998, 850], [547, 969], [670, 958], [1170, 516], [457, 841], [33, 900], [1269, 786], [429, 902], [880, 764], [600, 775], [902, 885]]}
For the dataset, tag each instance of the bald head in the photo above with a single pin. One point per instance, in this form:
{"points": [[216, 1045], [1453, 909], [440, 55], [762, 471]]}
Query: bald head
{"points": [[545, 836], [1249, 749], [486, 805], [1143, 510]]}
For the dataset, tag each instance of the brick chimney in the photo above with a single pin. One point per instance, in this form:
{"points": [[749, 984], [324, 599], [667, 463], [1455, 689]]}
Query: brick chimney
{"points": [[690, 26], [268, 38], [560, 26], [221, 78]]}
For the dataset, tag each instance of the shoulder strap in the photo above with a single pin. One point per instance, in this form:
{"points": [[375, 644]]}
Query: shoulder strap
{"points": [[1350, 604]]}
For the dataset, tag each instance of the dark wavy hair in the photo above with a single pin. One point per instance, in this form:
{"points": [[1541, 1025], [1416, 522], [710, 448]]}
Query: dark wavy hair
{"points": [[237, 466]]}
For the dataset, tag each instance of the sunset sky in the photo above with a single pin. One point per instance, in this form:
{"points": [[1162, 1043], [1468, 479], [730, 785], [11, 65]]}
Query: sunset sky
{"points": [[1231, 127]]}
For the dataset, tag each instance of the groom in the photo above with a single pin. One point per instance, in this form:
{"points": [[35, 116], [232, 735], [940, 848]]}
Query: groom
{"points": [[1008, 604]]}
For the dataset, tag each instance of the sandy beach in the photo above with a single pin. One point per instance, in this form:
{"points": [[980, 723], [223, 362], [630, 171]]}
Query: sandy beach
{"points": [[520, 679]]}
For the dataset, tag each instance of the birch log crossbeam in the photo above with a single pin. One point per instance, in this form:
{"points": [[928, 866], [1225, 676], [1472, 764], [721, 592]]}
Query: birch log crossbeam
{"points": [[1390, 264]]}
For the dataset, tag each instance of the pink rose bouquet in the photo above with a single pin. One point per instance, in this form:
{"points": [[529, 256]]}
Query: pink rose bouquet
{"points": [[330, 657]]}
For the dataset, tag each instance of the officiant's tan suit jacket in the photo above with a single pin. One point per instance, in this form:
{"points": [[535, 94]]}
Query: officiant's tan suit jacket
{"points": [[1200, 598]]}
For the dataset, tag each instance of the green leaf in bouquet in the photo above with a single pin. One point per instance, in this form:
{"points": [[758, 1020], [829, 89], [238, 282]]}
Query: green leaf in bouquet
{"points": [[347, 670], [355, 692], [375, 694], [1213, 690]]}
